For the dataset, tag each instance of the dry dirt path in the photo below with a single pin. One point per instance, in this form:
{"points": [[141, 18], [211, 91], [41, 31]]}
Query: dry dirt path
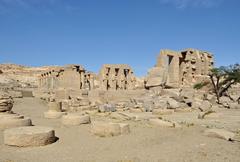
{"points": [[144, 143]]}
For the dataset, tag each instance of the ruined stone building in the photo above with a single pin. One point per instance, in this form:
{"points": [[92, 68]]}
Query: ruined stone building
{"points": [[70, 77], [173, 69], [116, 77], [176, 69]]}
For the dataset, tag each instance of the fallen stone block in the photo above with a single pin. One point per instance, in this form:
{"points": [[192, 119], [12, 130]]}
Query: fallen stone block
{"points": [[107, 108], [162, 123], [148, 106], [125, 128], [220, 133], [29, 136], [135, 110], [53, 114], [208, 115], [173, 104], [128, 116], [6, 103], [15, 94], [55, 106], [118, 116], [14, 122], [183, 110], [162, 111], [104, 129], [144, 116], [205, 106], [161, 103], [234, 105], [10, 116], [75, 119], [202, 115]]}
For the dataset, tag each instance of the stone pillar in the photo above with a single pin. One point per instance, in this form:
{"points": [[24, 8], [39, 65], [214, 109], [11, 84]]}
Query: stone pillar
{"points": [[91, 82], [82, 80], [54, 110]]}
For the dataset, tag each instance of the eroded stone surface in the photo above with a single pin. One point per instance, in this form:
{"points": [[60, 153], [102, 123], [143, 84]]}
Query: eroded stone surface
{"points": [[219, 133], [6, 102], [108, 129], [162, 123], [29, 136], [75, 119], [53, 114], [14, 121]]}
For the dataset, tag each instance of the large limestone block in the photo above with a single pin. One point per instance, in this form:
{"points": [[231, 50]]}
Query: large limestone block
{"points": [[219, 133], [187, 94], [53, 114], [173, 104], [205, 106], [10, 116], [84, 102], [29, 136], [6, 103], [208, 115], [54, 106], [9, 122], [234, 105], [156, 77], [143, 116], [161, 103], [154, 82], [161, 123], [162, 111], [75, 119], [135, 110], [15, 94], [107, 108], [104, 129], [148, 106], [125, 128], [172, 93], [119, 116]]}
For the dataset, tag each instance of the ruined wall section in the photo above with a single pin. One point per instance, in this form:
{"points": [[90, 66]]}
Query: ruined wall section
{"points": [[71, 77], [116, 77], [180, 69], [194, 66]]}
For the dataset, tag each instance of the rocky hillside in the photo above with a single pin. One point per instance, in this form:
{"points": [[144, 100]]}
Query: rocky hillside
{"points": [[17, 76]]}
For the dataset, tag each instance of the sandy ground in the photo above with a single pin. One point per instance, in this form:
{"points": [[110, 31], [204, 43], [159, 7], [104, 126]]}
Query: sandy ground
{"points": [[145, 143]]}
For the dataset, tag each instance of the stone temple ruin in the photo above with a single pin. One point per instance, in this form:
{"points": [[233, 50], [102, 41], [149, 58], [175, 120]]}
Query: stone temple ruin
{"points": [[78, 96], [173, 69], [70, 77], [116, 77], [116, 82], [178, 69]]}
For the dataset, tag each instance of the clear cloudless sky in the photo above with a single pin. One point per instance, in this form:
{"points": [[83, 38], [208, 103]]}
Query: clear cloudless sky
{"points": [[95, 32]]}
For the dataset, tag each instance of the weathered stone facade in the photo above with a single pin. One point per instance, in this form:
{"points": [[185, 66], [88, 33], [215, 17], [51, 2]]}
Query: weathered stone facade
{"points": [[173, 69], [176, 69], [116, 77], [71, 77]]}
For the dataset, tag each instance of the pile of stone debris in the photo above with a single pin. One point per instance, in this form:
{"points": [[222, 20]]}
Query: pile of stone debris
{"points": [[6, 102]]}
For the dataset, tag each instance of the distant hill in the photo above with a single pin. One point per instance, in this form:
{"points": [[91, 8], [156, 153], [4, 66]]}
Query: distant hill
{"points": [[19, 76]]}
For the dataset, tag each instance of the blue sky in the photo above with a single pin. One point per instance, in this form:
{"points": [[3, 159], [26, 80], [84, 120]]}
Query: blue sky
{"points": [[94, 32]]}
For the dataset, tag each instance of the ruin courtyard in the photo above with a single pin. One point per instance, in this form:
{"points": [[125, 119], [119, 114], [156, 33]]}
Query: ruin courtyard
{"points": [[68, 113]]}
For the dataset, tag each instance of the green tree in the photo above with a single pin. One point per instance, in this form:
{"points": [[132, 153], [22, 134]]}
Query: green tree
{"points": [[223, 78]]}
